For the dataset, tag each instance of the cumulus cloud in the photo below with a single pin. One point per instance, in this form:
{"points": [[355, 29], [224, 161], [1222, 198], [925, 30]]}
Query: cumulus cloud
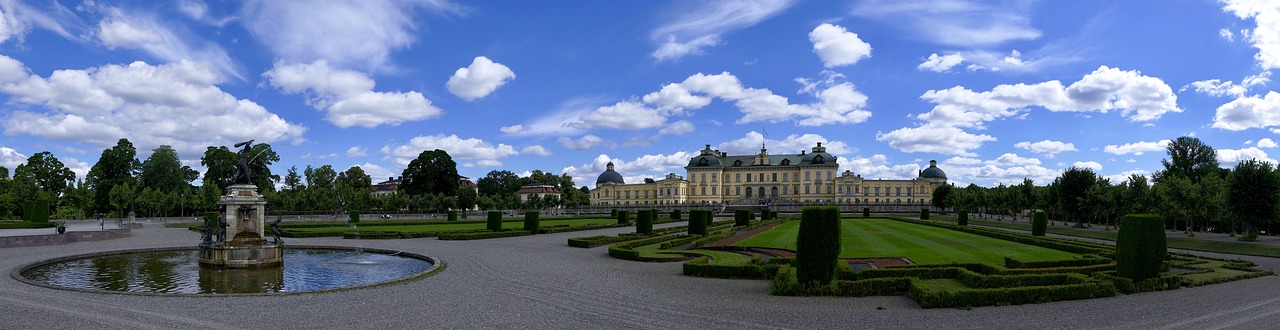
{"points": [[479, 79], [470, 152], [1013, 159], [536, 150], [633, 171], [1138, 97], [1219, 88], [677, 128], [953, 22], [1136, 148], [700, 25], [942, 63], [1266, 36], [359, 34], [1231, 157], [151, 105], [10, 159], [1267, 143], [347, 97], [750, 144], [1046, 147], [357, 151], [837, 46], [585, 142], [1249, 112], [878, 166], [1095, 166]]}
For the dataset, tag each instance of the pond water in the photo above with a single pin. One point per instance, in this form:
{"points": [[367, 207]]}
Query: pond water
{"points": [[178, 271]]}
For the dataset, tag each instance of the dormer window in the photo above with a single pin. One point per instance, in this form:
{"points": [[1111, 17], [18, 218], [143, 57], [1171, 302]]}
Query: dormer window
{"points": [[702, 162], [786, 162], [737, 162], [817, 159]]}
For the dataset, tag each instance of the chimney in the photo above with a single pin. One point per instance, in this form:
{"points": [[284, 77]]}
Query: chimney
{"points": [[933, 163]]}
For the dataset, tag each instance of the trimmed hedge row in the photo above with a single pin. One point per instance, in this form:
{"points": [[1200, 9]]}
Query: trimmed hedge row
{"points": [[624, 217], [698, 221], [455, 236], [1140, 247], [702, 267], [742, 217], [817, 244], [531, 221], [1088, 260], [1039, 223], [1161, 283], [924, 214], [866, 212], [962, 218], [675, 215], [453, 215], [494, 222], [644, 222], [594, 241], [36, 211], [1242, 276], [1047, 242], [928, 298], [25, 225]]}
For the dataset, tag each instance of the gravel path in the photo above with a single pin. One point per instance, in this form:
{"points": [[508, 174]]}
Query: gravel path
{"points": [[539, 282]]}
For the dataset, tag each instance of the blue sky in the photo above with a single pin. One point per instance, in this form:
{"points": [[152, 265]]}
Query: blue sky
{"points": [[996, 91]]}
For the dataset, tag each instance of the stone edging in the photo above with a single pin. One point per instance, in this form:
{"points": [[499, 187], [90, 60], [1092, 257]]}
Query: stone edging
{"points": [[58, 239]]}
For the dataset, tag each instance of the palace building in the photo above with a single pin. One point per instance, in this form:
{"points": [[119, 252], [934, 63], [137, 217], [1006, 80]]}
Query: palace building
{"points": [[715, 177]]}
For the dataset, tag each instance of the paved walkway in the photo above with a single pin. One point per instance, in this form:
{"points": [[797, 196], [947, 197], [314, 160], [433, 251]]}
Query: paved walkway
{"points": [[539, 282]]}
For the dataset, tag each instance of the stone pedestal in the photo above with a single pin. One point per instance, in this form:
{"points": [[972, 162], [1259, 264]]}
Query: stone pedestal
{"points": [[244, 245]]}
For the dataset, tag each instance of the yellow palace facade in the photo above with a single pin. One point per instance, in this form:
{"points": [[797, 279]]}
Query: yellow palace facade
{"points": [[715, 177]]}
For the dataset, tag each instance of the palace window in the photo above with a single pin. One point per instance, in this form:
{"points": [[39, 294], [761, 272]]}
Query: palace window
{"points": [[806, 175], [737, 191], [877, 192], [704, 190], [806, 189], [704, 177], [829, 174], [897, 191], [748, 177], [775, 177]]}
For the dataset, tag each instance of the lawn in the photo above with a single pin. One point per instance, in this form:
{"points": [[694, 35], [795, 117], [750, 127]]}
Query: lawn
{"points": [[447, 227], [876, 238]]}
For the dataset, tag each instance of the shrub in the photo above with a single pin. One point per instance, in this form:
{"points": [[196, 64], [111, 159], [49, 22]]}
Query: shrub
{"points": [[453, 215], [1038, 223], [354, 217], [653, 216], [1140, 247], [924, 214], [962, 218], [702, 267], [495, 220], [36, 211], [741, 217], [624, 217], [675, 215], [613, 213], [531, 221], [698, 220], [453, 236], [866, 212], [817, 245], [644, 222]]}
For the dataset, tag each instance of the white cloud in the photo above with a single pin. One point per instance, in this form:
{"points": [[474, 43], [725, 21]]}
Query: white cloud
{"points": [[10, 159], [1226, 34], [565, 120], [878, 167], [700, 24], [676, 98], [536, 150], [1216, 87], [357, 151], [633, 171], [347, 96], [151, 105], [1230, 157], [18, 17], [346, 33], [1046, 147], [1122, 177], [1266, 36], [677, 128], [378, 173], [1095, 166], [961, 161], [837, 46], [1013, 159], [942, 63], [1141, 98], [627, 115], [750, 144], [149, 34], [586, 142], [942, 139], [479, 79], [469, 152], [1249, 112], [954, 22], [513, 129], [1136, 148], [1267, 143]]}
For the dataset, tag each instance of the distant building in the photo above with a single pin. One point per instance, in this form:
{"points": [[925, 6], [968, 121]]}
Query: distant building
{"points": [[540, 190], [465, 182], [716, 177], [387, 187]]}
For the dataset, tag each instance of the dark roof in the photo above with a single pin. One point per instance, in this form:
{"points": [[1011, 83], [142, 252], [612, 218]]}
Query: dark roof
{"points": [[747, 160], [609, 176], [933, 171]]}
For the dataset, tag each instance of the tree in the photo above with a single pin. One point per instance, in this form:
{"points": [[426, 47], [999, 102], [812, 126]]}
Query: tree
{"points": [[466, 200], [322, 178], [498, 183], [117, 165], [1137, 195], [1189, 158], [354, 178], [221, 166], [1073, 185], [1177, 199], [163, 171], [433, 172], [1253, 193], [940, 195], [293, 181], [46, 172], [122, 195]]}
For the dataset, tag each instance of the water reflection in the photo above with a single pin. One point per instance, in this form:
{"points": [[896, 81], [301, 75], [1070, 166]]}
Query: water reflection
{"points": [[178, 271]]}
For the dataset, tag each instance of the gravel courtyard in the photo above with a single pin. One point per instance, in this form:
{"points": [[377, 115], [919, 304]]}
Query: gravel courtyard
{"points": [[539, 282]]}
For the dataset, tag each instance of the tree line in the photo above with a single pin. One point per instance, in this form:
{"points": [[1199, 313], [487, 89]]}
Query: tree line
{"points": [[1192, 192], [161, 186]]}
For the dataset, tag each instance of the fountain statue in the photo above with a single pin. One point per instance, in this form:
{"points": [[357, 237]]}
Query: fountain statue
{"points": [[238, 240]]}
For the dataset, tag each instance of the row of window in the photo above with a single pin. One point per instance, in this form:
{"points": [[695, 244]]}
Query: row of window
{"points": [[760, 177]]}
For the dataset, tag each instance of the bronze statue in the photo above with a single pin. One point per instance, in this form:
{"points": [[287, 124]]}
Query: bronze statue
{"points": [[242, 168], [221, 232], [275, 229], [206, 235]]}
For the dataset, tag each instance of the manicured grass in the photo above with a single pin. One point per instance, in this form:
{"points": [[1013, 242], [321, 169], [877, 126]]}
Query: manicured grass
{"points": [[447, 226], [1174, 242], [876, 238]]}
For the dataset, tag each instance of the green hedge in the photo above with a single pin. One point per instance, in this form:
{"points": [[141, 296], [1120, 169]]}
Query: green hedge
{"points": [[36, 211], [962, 218], [594, 241], [698, 220], [676, 215], [644, 222], [702, 267], [624, 217], [742, 217], [1072, 246], [924, 214], [457, 236], [354, 217], [495, 221], [1140, 247], [1087, 260], [817, 245], [866, 212], [1161, 283], [531, 221], [24, 225], [1038, 223], [453, 215], [929, 298]]}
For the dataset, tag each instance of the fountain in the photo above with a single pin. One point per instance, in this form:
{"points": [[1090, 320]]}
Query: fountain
{"points": [[233, 257]]}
